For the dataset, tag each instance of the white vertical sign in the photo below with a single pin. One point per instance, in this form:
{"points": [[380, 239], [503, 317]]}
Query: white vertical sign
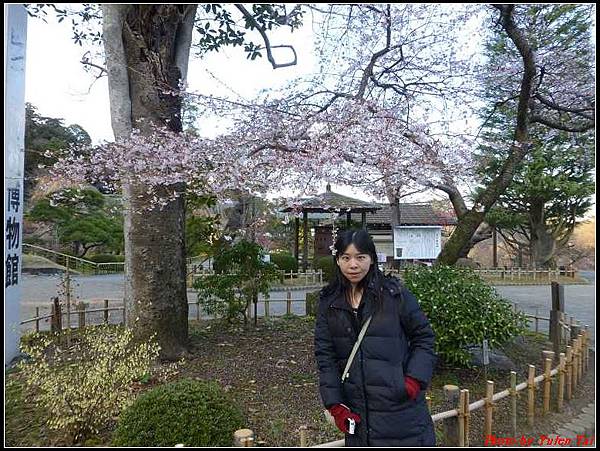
{"points": [[15, 35]]}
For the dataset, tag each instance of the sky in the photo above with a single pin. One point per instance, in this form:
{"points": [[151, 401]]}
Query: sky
{"points": [[57, 85]]}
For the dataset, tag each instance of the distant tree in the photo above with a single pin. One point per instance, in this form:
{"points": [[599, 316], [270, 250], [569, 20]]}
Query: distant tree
{"points": [[553, 183], [82, 220], [45, 139]]}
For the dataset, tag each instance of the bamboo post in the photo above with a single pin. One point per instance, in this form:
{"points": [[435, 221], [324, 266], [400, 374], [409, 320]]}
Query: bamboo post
{"points": [[580, 358], [243, 437], [461, 418], [267, 307], [531, 395], [547, 386], [569, 373], [37, 320], [467, 415], [106, 311], [561, 381], [574, 363], [303, 430], [289, 302], [513, 401], [489, 405], [450, 425], [587, 347]]}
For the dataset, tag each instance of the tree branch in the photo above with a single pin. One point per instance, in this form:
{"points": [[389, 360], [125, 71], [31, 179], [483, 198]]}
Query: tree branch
{"points": [[559, 126], [268, 45]]}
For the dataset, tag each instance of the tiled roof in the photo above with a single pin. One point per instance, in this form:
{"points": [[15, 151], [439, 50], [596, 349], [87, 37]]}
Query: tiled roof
{"points": [[410, 214], [329, 201]]}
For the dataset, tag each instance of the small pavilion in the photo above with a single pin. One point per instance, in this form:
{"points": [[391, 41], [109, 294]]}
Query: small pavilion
{"points": [[327, 202]]}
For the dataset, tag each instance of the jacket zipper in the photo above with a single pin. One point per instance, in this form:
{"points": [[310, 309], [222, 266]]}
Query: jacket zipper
{"points": [[362, 370]]}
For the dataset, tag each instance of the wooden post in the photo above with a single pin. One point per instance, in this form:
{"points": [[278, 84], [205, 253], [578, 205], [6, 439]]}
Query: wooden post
{"points": [[56, 320], [81, 306], [561, 381], [569, 372], [467, 415], [580, 357], [289, 302], [531, 395], [106, 311], [450, 425], [428, 400], [513, 402], [547, 386], [574, 365], [536, 320], [303, 430], [68, 295], [197, 308], [305, 240], [37, 321], [461, 419], [587, 347], [243, 437], [266, 307], [489, 405]]}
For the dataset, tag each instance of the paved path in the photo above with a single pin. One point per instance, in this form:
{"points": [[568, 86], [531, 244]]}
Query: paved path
{"points": [[38, 289], [580, 302]]}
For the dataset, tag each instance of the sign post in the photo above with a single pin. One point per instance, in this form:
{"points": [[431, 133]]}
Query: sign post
{"points": [[15, 35]]}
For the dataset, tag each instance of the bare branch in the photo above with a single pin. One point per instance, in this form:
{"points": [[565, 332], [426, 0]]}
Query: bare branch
{"points": [[560, 126], [579, 111], [268, 45]]}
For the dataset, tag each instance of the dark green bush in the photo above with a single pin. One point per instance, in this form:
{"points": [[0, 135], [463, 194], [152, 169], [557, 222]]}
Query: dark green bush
{"points": [[327, 265], [190, 412], [463, 310], [106, 258], [285, 262]]}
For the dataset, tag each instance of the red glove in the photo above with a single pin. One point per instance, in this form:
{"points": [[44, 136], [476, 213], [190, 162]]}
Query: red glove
{"points": [[412, 387], [342, 414]]}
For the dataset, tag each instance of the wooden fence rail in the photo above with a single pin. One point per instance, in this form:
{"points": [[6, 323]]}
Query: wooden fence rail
{"points": [[570, 370]]}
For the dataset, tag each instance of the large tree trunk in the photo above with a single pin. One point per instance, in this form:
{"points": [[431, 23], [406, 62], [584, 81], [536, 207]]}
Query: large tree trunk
{"points": [[468, 224], [543, 244], [147, 49]]}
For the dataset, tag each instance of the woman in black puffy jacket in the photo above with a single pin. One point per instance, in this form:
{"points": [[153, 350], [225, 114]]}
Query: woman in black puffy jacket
{"points": [[383, 394]]}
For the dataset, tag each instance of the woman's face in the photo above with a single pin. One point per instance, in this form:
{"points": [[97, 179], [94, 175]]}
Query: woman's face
{"points": [[354, 264]]}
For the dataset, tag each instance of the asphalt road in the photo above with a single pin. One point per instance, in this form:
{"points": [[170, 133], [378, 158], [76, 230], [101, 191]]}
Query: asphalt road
{"points": [[38, 289]]}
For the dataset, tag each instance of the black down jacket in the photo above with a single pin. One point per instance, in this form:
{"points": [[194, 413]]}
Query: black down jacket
{"points": [[398, 342]]}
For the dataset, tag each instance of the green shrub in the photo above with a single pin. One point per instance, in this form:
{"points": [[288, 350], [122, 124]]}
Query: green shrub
{"points": [[85, 382], [240, 275], [106, 258], [327, 265], [190, 412], [463, 310], [285, 262]]}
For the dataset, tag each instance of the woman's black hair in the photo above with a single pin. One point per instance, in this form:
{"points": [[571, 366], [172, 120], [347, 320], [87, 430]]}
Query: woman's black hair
{"points": [[363, 242]]}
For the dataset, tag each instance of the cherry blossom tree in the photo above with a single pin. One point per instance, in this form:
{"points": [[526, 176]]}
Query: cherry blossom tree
{"points": [[147, 48]]}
